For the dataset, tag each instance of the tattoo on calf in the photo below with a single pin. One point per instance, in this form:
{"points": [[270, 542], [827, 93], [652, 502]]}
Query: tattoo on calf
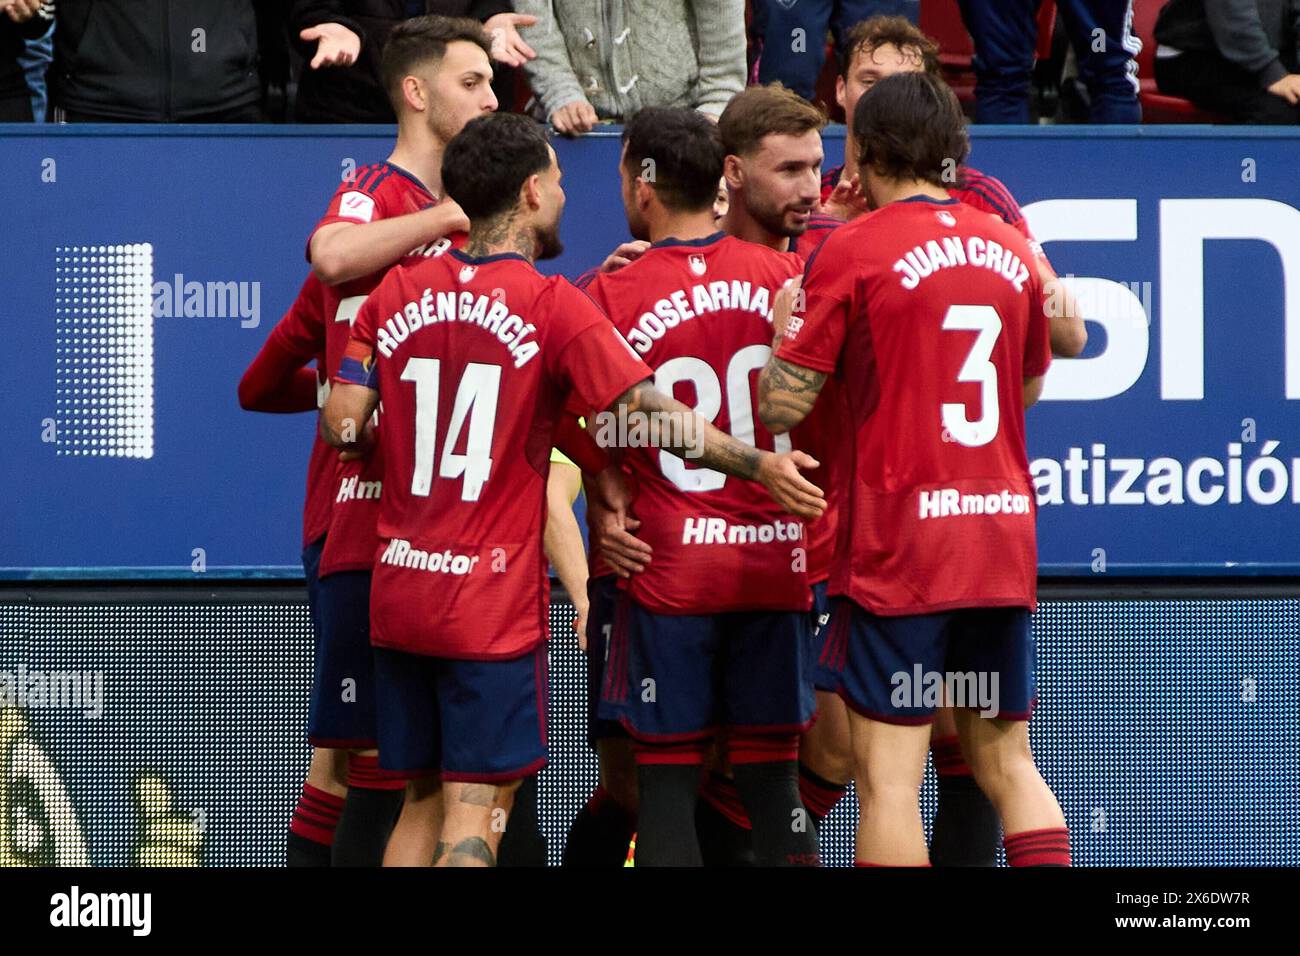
{"points": [[471, 851]]}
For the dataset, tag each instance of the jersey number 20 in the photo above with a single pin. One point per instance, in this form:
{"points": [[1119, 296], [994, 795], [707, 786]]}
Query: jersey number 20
{"points": [[708, 402]]}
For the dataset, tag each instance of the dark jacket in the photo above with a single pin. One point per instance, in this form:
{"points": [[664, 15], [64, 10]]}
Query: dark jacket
{"points": [[145, 61], [1260, 36], [13, 38], [354, 94]]}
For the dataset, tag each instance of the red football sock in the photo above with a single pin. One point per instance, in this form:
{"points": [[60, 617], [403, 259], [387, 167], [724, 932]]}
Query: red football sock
{"points": [[316, 815], [948, 759], [818, 794], [719, 791], [1050, 847]]}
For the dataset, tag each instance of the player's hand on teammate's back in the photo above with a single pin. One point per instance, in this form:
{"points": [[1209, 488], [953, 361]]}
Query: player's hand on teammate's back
{"points": [[574, 118], [608, 501], [1288, 88], [508, 46], [336, 46], [779, 474], [846, 200], [624, 255]]}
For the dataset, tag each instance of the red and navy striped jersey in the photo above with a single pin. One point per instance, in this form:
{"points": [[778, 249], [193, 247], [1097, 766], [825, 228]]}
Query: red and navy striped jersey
{"points": [[476, 360], [903, 304], [277, 381], [700, 313], [375, 192]]}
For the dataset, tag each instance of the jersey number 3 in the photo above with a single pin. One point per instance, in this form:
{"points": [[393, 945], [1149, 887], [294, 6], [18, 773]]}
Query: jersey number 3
{"points": [[983, 319], [476, 399]]}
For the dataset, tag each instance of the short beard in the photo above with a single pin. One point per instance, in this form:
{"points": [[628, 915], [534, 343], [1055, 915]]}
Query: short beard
{"points": [[773, 220], [548, 244]]}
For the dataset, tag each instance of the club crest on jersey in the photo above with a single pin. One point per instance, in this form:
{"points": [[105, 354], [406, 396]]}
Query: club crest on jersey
{"points": [[698, 265], [947, 218], [467, 273]]}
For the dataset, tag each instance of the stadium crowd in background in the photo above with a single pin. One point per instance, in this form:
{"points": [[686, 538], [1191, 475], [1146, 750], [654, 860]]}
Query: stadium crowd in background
{"points": [[1005, 34], [785, 45], [600, 61], [577, 63], [1240, 58], [340, 42], [21, 22]]}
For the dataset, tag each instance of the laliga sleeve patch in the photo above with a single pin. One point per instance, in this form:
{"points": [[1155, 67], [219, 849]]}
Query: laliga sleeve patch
{"points": [[358, 206]]}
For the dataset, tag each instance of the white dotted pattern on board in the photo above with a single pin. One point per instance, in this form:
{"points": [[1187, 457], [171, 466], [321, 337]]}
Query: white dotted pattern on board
{"points": [[104, 379]]}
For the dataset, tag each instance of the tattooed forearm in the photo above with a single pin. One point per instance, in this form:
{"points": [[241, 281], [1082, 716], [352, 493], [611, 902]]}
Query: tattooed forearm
{"points": [[471, 851], [786, 394], [439, 851], [678, 430]]}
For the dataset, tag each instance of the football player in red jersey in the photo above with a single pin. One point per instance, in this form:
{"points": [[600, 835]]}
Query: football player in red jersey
{"points": [[277, 380], [772, 137], [438, 73], [479, 357], [726, 594], [932, 314], [880, 47], [965, 826]]}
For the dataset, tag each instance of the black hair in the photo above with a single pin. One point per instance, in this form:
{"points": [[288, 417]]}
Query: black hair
{"points": [[488, 160], [910, 126], [678, 151]]}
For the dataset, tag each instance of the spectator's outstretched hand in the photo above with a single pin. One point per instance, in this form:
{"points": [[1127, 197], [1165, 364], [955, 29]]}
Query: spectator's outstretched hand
{"points": [[337, 46], [508, 46], [1288, 88], [20, 10], [574, 118]]}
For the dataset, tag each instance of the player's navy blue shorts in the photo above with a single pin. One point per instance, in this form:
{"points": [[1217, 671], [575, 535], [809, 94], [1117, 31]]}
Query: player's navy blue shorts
{"points": [[675, 678], [892, 669], [602, 597], [342, 713], [311, 571], [475, 721], [824, 676]]}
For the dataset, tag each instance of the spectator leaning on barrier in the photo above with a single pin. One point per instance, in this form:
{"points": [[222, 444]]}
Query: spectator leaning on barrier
{"points": [[20, 21], [341, 42], [606, 59], [153, 61], [792, 35], [1239, 58]]}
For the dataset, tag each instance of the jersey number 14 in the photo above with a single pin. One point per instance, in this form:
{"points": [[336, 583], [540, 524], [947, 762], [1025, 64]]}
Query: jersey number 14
{"points": [[476, 400]]}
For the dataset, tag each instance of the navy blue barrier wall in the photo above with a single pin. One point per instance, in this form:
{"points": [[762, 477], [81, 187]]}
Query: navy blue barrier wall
{"points": [[145, 266]]}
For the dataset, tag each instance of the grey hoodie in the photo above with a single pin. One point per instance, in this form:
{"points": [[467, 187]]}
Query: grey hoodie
{"points": [[622, 55], [1260, 36]]}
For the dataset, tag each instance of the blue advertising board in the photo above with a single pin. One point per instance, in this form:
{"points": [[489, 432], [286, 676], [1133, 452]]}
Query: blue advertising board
{"points": [[145, 266]]}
